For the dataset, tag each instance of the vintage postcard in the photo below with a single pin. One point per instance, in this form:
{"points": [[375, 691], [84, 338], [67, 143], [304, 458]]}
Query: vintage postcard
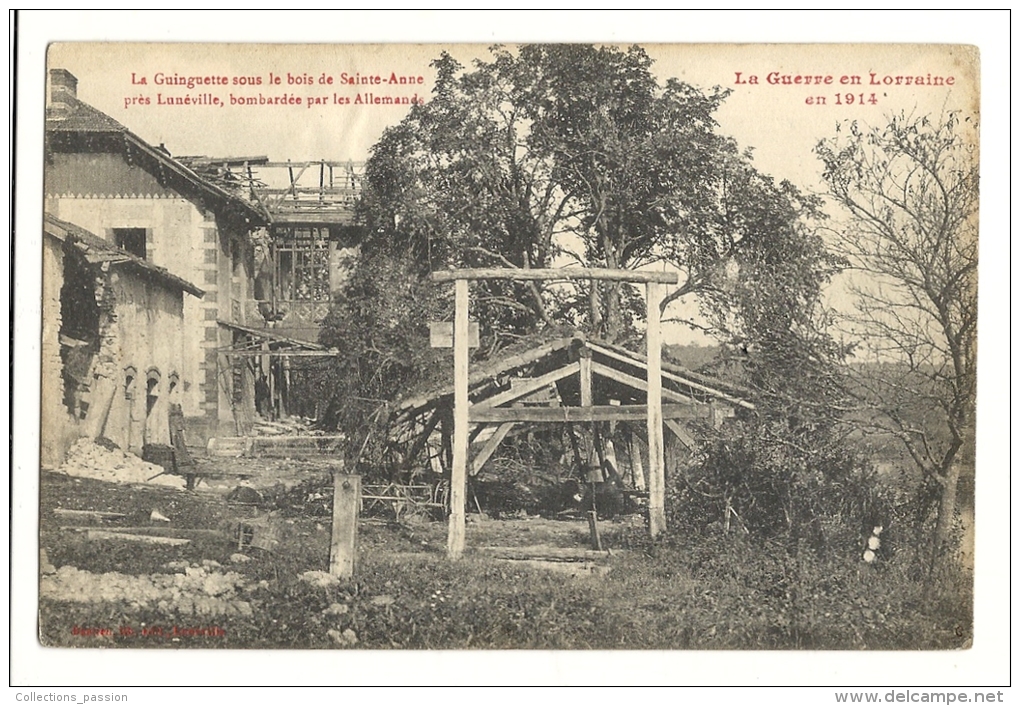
{"points": [[524, 346]]}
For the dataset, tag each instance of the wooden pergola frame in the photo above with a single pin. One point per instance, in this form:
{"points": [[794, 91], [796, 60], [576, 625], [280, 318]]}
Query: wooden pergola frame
{"points": [[463, 415]]}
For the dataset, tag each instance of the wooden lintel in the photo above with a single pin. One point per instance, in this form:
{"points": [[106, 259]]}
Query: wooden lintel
{"points": [[527, 386], [598, 413], [568, 273]]}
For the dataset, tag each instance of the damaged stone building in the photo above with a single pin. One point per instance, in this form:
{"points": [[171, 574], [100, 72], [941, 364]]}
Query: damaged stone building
{"points": [[112, 343], [139, 210]]}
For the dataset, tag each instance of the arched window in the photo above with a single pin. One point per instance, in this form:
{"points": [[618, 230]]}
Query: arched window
{"points": [[152, 379], [130, 376]]}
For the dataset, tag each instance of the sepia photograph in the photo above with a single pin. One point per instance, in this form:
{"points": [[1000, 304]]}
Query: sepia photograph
{"points": [[519, 346]]}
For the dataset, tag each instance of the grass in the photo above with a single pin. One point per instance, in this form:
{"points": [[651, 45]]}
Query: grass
{"points": [[697, 593]]}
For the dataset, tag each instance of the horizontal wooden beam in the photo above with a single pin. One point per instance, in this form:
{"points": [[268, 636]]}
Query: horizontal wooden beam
{"points": [[557, 274], [600, 413]]}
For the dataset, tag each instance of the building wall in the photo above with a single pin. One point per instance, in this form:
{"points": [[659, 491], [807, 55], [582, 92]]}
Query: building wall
{"points": [[190, 242], [60, 428], [147, 336]]}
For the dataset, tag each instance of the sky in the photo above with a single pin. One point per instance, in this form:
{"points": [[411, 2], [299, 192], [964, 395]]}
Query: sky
{"points": [[773, 119]]}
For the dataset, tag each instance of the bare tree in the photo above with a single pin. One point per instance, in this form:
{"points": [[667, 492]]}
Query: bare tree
{"points": [[911, 190]]}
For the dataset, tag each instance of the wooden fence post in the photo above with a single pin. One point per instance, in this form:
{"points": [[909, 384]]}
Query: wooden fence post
{"points": [[458, 475], [343, 545], [656, 452]]}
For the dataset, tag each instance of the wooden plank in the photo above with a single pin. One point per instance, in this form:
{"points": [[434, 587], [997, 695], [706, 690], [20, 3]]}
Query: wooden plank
{"points": [[526, 386], [96, 514], [343, 544], [584, 362], [486, 373], [458, 476], [490, 446], [93, 534], [596, 413], [155, 530], [637, 383], [656, 449], [441, 334], [681, 434], [546, 552], [569, 273], [609, 353]]}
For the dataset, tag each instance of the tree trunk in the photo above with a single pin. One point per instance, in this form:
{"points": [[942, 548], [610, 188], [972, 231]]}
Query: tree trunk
{"points": [[944, 522]]}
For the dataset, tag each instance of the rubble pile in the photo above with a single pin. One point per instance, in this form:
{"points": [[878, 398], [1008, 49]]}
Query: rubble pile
{"points": [[198, 590], [87, 459]]}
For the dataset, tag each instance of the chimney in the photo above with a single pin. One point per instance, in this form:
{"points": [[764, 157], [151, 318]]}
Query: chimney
{"points": [[63, 94]]}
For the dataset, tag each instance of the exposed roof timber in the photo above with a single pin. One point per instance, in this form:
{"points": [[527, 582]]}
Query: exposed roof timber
{"points": [[485, 372], [530, 385], [596, 413], [668, 372], [634, 382], [269, 336]]}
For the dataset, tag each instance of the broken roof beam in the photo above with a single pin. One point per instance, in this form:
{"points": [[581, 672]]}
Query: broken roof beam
{"points": [[528, 386], [636, 383], [566, 273]]}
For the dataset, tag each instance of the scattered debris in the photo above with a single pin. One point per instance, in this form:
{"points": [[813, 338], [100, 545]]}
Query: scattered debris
{"points": [[347, 638], [195, 591], [93, 514], [211, 564], [88, 459], [321, 579], [382, 600], [94, 534], [157, 516], [239, 558], [336, 609]]}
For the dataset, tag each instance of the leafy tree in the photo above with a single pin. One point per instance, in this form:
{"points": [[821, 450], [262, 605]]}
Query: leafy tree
{"points": [[379, 325], [578, 151], [910, 189]]}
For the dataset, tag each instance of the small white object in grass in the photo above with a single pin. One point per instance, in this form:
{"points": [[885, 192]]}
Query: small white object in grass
{"points": [[869, 556], [877, 530], [874, 542], [157, 516]]}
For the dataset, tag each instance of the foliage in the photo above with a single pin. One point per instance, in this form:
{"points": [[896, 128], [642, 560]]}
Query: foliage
{"points": [[379, 325], [573, 151], [910, 192]]}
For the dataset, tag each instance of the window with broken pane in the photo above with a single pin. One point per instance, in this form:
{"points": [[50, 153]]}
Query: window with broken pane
{"points": [[302, 264]]}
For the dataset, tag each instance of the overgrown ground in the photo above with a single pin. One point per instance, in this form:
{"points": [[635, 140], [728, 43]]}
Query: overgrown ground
{"points": [[693, 593]]}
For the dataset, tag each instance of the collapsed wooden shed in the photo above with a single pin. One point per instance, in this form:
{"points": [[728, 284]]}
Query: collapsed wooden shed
{"points": [[595, 388]]}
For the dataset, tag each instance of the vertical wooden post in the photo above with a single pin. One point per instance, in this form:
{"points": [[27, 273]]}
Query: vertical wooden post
{"points": [[656, 452], [343, 544], [458, 480], [586, 394]]}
